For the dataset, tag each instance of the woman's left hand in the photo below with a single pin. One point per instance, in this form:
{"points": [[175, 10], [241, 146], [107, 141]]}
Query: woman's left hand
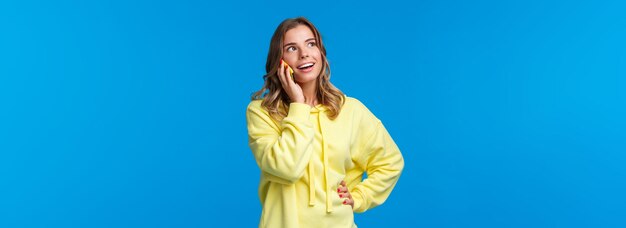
{"points": [[344, 193]]}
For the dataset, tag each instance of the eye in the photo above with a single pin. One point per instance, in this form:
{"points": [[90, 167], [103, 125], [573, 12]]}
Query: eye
{"points": [[312, 44], [291, 48]]}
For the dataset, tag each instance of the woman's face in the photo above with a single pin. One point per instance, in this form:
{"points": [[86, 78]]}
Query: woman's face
{"points": [[300, 51]]}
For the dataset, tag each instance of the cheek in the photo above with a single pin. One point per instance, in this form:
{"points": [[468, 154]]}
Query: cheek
{"points": [[318, 55], [290, 59], [320, 64], [319, 68]]}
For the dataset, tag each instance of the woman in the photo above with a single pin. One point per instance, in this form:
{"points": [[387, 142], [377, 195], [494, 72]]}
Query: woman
{"points": [[313, 143]]}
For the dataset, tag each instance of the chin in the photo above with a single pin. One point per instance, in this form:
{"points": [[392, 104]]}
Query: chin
{"points": [[305, 80], [308, 77]]}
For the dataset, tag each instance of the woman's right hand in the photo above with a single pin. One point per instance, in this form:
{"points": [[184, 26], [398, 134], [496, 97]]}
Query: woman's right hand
{"points": [[289, 85]]}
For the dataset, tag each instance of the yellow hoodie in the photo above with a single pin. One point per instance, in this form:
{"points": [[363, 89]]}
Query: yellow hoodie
{"points": [[304, 157]]}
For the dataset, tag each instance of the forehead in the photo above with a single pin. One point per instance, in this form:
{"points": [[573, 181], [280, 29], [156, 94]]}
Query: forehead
{"points": [[298, 34]]}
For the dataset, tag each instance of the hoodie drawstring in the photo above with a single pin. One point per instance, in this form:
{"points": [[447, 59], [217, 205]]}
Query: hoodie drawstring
{"points": [[311, 185], [329, 205]]}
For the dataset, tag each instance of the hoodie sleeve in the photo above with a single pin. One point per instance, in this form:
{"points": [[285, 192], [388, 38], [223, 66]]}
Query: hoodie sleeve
{"points": [[380, 158], [282, 150]]}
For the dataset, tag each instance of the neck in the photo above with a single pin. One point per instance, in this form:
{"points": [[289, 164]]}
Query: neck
{"points": [[310, 93]]}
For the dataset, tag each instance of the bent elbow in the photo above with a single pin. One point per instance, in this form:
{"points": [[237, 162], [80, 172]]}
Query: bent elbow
{"points": [[285, 177], [287, 174]]}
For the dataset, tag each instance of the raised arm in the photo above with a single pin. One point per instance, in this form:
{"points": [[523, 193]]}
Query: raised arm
{"points": [[282, 150]]}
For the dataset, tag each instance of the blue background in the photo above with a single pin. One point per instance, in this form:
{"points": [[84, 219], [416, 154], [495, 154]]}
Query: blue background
{"points": [[132, 113]]}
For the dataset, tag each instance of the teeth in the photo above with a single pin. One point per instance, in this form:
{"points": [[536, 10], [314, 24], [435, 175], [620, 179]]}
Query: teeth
{"points": [[305, 65]]}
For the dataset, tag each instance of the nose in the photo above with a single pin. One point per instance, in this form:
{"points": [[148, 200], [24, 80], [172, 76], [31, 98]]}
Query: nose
{"points": [[304, 54]]}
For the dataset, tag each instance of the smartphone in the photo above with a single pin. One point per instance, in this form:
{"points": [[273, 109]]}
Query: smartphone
{"points": [[289, 67]]}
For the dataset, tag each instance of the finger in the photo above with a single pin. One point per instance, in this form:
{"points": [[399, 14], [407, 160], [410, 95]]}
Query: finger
{"points": [[341, 189], [348, 202], [281, 73], [344, 192], [345, 195], [343, 183], [288, 78]]}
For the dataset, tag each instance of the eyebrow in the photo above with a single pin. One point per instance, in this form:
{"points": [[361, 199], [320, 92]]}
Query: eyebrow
{"points": [[293, 43]]}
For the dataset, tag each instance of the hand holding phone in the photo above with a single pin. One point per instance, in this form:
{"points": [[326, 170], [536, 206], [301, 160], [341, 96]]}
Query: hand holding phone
{"points": [[288, 67], [294, 91]]}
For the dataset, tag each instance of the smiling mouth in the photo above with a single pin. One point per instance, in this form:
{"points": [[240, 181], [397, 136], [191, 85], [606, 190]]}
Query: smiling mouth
{"points": [[306, 67]]}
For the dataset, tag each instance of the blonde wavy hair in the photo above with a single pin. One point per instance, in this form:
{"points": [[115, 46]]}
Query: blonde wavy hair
{"points": [[275, 99]]}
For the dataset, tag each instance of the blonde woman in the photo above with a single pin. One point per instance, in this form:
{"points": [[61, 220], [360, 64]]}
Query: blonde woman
{"points": [[312, 143]]}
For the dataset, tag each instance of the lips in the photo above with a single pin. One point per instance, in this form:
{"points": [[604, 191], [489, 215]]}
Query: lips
{"points": [[306, 67]]}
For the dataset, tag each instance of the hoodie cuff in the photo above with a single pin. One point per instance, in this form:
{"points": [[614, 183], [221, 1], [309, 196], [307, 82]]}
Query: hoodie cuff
{"points": [[299, 111], [358, 201]]}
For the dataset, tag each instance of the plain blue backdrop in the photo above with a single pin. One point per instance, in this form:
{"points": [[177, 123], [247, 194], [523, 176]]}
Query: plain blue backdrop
{"points": [[132, 113]]}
